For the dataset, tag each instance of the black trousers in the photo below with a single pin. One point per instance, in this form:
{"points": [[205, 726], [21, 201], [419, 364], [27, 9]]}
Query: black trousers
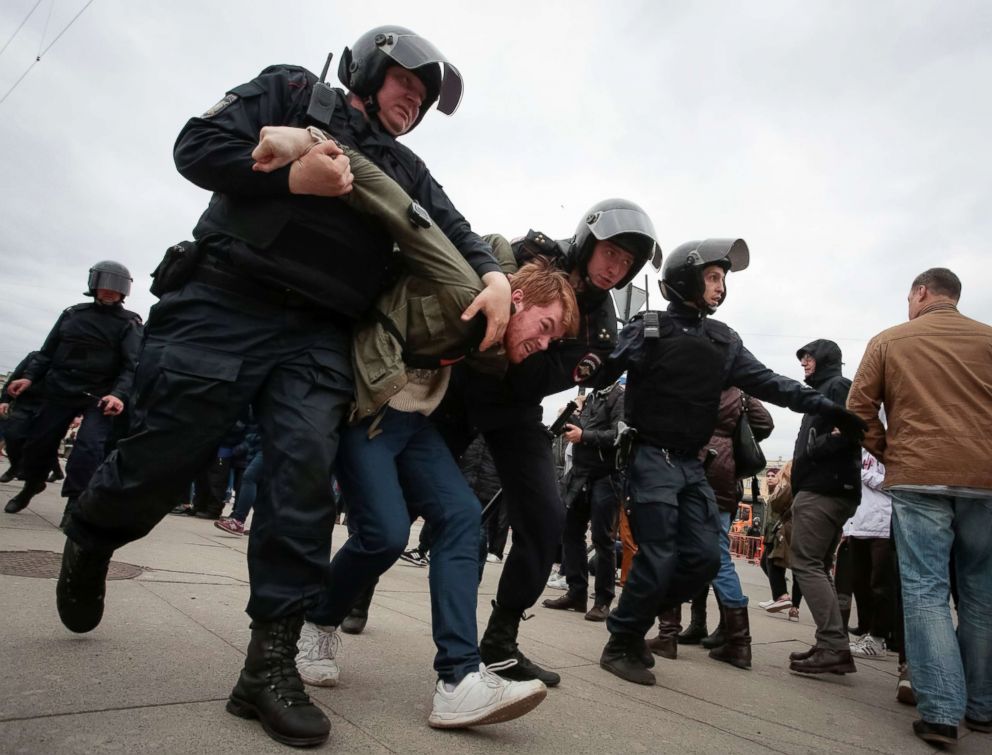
{"points": [[873, 583], [208, 353], [50, 424], [18, 428], [597, 504], [675, 521]]}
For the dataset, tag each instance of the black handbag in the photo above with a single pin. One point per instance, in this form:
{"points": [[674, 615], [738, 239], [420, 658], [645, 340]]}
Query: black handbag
{"points": [[749, 459]]}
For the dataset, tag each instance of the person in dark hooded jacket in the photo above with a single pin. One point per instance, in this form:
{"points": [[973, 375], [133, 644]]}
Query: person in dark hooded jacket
{"points": [[826, 483]]}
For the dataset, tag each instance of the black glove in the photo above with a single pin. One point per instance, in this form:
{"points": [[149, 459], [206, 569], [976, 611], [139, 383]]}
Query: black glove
{"points": [[850, 425]]}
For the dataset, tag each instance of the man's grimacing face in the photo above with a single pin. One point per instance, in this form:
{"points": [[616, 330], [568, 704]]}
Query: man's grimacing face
{"points": [[400, 97], [531, 328]]}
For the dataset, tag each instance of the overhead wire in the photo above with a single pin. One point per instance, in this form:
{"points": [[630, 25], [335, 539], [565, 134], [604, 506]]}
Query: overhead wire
{"points": [[20, 26], [43, 52]]}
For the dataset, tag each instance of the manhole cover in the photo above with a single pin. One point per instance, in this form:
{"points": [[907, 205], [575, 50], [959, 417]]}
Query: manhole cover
{"points": [[46, 565]]}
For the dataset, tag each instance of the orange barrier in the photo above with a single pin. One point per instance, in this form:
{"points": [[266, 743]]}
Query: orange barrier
{"points": [[742, 546]]}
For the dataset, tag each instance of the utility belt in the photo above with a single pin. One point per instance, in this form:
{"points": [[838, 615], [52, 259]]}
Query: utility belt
{"points": [[212, 273], [628, 440]]}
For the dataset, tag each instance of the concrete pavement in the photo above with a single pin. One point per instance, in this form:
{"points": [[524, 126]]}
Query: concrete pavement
{"points": [[154, 676]]}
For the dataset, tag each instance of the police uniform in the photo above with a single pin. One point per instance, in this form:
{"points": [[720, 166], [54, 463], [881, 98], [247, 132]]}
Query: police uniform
{"points": [[17, 425], [91, 352], [265, 320], [678, 363]]}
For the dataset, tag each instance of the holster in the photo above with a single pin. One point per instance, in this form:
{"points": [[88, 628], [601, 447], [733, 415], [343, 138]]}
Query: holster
{"points": [[176, 267]]}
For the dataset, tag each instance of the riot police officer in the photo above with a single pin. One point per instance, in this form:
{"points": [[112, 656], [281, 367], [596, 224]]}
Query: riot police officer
{"points": [[678, 363], [281, 270], [614, 239], [86, 366]]}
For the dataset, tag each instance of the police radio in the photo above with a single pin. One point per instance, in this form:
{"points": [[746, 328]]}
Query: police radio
{"points": [[322, 99]]}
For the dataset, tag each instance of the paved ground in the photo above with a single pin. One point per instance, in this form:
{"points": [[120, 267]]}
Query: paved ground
{"points": [[153, 677]]}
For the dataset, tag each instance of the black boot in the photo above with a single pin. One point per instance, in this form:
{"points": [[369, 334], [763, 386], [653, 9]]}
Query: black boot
{"points": [[737, 632], [622, 657], [81, 587], [499, 643], [696, 630], [56, 474], [270, 688], [9, 475], [716, 638], [669, 624], [568, 602], [358, 616], [20, 501]]}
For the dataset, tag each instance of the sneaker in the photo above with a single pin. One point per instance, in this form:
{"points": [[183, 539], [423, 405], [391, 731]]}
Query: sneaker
{"points": [[870, 647], [230, 525], [904, 690], [793, 614], [558, 582], [414, 557], [316, 656], [779, 604], [483, 698], [492, 558]]}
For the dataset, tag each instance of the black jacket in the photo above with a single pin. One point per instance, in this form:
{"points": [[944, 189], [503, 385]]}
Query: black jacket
{"points": [[594, 456], [675, 380], [91, 352], [316, 246], [823, 462]]}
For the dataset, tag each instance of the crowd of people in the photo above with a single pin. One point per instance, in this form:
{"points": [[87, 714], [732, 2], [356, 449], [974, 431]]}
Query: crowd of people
{"points": [[334, 291]]}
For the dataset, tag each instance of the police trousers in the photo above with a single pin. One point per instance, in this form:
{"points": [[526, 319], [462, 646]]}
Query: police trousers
{"points": [[208, 353], [676, 524]]}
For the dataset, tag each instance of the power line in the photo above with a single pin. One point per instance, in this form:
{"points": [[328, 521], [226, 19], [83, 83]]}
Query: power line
{"points": [[37, 59], [30, 12]]}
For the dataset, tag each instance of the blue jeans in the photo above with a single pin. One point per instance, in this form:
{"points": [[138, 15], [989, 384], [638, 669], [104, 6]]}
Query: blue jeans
{"points": [[952, 674], [726, 583], [249, 488], [403, 472]]}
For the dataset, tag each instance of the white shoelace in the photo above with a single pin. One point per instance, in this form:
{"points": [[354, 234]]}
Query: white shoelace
{"points": [[491, 678]]}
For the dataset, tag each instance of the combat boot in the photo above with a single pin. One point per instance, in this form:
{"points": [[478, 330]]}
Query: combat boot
{"points": [[669, 624], [696, 630], [270, 688], [737, 632], [20, 501], [716, 638], [358, 616], [499, 643], [622, 657], [81, 586]]}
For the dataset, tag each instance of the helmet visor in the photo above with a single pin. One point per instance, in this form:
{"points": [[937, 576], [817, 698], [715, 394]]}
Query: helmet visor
{"points": [[109, 281], [411, 51], [606, 224], [735, 251]]}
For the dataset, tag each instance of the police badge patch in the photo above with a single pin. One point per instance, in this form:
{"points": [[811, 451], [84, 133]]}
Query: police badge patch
{"points": [[220, 106], [587, 367]]}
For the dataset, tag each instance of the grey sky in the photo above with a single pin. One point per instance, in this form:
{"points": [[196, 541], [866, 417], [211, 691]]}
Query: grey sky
{"points": [[846, 142]]}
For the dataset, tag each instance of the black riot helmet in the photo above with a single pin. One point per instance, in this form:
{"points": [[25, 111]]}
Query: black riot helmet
{"points": [[682, 273], [626, 225], [362, 68], [109, 275]]}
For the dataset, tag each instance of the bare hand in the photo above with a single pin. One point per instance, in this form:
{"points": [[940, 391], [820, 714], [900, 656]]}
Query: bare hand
{"points": [[17, 387], [279, 146], [4, 409], [112, 406], [324, 171], [573, 433], [494, 303]]}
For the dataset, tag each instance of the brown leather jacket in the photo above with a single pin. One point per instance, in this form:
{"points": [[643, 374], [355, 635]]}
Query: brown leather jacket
{"points": [[934, 376], [720, 472]]}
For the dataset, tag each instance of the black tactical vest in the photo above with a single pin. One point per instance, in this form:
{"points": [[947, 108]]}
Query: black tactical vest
{"points": [[88, 356], [673, 389]]}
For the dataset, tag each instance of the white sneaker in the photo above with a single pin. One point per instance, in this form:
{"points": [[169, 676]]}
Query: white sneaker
{"points": [[779, 604], [870, 647], [492, 558], [482, 698], [558, 582], [315, 660]]}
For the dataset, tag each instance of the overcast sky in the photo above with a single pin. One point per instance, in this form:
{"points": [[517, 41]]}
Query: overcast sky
{"points": [[846, 142]]}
